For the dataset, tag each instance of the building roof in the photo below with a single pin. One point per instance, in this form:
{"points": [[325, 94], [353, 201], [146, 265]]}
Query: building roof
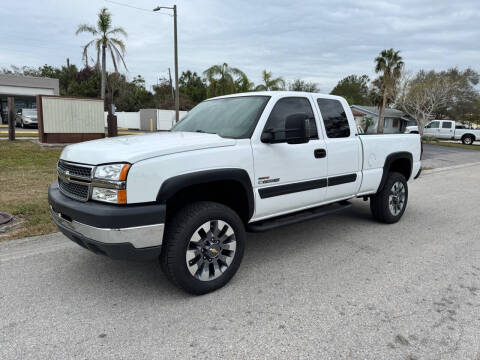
{"points": [[373, 110]]}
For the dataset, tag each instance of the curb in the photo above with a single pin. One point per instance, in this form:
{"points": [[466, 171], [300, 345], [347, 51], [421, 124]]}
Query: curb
{"points": [[433, 171]]}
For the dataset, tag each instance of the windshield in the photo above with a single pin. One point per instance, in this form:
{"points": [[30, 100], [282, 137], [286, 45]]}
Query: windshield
{"points": [[234, 117], [29, 112]]}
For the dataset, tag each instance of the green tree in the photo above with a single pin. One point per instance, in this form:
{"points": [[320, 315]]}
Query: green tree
{"points": [[389, 65], [193, 86], [302, 85], [354, 88], [103, 42], [270, 83], [243, 84], [221, 79]]}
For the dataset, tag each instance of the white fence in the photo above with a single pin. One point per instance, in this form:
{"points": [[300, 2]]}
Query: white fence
{"points": [[128, 120], [131, 120]]}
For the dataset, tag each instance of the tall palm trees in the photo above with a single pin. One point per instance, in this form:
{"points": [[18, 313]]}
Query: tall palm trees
{"points": [[389, 64], [103, 42], [222, 79], [270, 83]]}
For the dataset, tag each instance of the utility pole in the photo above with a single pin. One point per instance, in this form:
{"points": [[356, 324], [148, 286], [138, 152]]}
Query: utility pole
{"points": [[171, 85], [11, 118], [175, 44]]}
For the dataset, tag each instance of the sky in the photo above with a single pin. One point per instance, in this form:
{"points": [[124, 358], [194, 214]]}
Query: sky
{"points": [[316, 40]]}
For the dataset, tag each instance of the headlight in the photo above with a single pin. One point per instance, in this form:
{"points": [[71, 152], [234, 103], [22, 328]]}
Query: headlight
{"points": [[113, 196], [116, 172]]}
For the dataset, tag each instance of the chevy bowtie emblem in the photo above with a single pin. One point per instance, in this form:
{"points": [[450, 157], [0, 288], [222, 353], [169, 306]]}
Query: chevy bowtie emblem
{"points": [[214, 251]]}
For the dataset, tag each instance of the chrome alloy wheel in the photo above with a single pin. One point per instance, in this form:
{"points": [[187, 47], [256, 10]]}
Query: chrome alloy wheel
{"points": [[396, 199], [211, 250]]}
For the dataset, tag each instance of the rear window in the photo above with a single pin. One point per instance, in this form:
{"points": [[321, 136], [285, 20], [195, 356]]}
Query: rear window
{"points": [[446, 125], [334, 118]]}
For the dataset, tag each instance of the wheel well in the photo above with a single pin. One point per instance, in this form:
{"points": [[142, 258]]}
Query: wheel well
{"points": [[402, 166], [414, 132], [230, 193], [469, 135]]}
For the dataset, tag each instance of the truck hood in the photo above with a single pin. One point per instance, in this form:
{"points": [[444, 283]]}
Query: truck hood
{"points": [[135, 148]]}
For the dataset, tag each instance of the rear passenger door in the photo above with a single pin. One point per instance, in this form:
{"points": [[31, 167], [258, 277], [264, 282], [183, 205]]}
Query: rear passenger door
{"points": [[446, 129], [344, 152]]}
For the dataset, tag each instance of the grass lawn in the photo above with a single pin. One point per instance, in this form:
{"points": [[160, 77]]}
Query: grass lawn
{"points": [[26, 171], [20, 134], [457, 145]]}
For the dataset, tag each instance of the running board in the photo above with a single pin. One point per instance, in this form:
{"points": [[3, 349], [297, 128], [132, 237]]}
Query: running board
{"points": [[269, 224]]}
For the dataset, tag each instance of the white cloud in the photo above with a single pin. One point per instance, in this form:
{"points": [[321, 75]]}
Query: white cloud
{"points": [[320, 41]]}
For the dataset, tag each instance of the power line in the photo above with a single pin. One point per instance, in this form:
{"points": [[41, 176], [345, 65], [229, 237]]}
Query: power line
{"points": [[134, 7]]}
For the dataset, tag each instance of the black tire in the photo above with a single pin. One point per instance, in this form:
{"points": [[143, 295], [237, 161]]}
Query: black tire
{"points": [[380, 203], [467, 140], [179, 231]]}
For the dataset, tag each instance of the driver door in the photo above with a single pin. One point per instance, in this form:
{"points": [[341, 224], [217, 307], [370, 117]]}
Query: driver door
{"points": [[289, 177]]}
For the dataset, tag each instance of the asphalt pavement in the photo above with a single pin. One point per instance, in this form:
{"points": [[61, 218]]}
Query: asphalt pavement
{"points": [[339, 287], [436, 156]]}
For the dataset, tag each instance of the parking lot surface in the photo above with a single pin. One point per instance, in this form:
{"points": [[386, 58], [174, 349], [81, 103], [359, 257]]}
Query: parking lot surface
{"points": [[435, 156], [339, 287]]}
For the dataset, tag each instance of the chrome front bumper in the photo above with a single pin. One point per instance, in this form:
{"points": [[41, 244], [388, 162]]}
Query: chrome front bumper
{"points": [[140, 237]]}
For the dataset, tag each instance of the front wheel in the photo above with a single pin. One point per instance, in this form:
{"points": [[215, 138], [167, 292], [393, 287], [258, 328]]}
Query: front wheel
{"points": [[389, 204], [203, 247]]}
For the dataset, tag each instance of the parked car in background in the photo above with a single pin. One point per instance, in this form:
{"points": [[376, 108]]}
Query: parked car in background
{"points": [[26, 118], [448, 130]]}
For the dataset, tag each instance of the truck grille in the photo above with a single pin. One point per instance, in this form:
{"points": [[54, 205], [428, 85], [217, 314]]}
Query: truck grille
{"points": [[74, 180], [75, 170], [73, 190]]}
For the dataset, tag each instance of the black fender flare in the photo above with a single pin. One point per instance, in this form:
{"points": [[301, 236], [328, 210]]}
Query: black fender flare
{"points": [[388, 162], [174, 184]]}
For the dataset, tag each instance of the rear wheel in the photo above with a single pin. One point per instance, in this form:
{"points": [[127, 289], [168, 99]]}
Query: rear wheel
{"points": [[467, 140], [203, 247], [389, 204]]}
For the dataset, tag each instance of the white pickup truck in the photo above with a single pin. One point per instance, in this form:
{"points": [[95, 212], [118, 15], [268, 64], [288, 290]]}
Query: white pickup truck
{"points": [[237, 163], [447, 129]]}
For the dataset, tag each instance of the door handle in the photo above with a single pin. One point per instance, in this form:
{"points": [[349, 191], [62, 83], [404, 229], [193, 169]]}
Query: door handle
{"points": [[320, 153]]}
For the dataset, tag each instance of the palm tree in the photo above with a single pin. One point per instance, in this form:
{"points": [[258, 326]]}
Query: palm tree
{"points": [[270, 83], [389, 63], [105, 42], [222, 79]]}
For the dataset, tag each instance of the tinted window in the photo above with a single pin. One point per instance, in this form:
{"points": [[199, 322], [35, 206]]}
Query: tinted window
{"points": [[289, 106], [446, 125], [334, 118], [234, 117], [433, 125]]}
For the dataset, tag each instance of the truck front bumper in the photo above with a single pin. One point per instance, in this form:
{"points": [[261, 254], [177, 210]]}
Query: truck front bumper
{"points": [[131, 232]]}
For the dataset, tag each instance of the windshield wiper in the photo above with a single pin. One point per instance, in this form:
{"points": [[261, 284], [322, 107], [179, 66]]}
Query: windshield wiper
{"points": [[205, 132]]}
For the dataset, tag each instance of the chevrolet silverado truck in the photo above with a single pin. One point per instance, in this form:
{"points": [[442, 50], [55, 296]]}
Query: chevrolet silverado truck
{"points": [[448, 130], [235, 164]]}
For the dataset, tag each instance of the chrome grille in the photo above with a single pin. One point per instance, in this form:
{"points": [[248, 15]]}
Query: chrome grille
{"points": [[74, 190], [74, 180], [75, 170]]}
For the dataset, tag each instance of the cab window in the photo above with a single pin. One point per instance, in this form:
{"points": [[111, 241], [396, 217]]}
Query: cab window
{"points": [[288, 106], [334, 118], [446, 125]]}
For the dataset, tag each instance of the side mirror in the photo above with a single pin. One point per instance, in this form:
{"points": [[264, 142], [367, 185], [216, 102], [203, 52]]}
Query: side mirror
{"points": [[297, 129]]}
